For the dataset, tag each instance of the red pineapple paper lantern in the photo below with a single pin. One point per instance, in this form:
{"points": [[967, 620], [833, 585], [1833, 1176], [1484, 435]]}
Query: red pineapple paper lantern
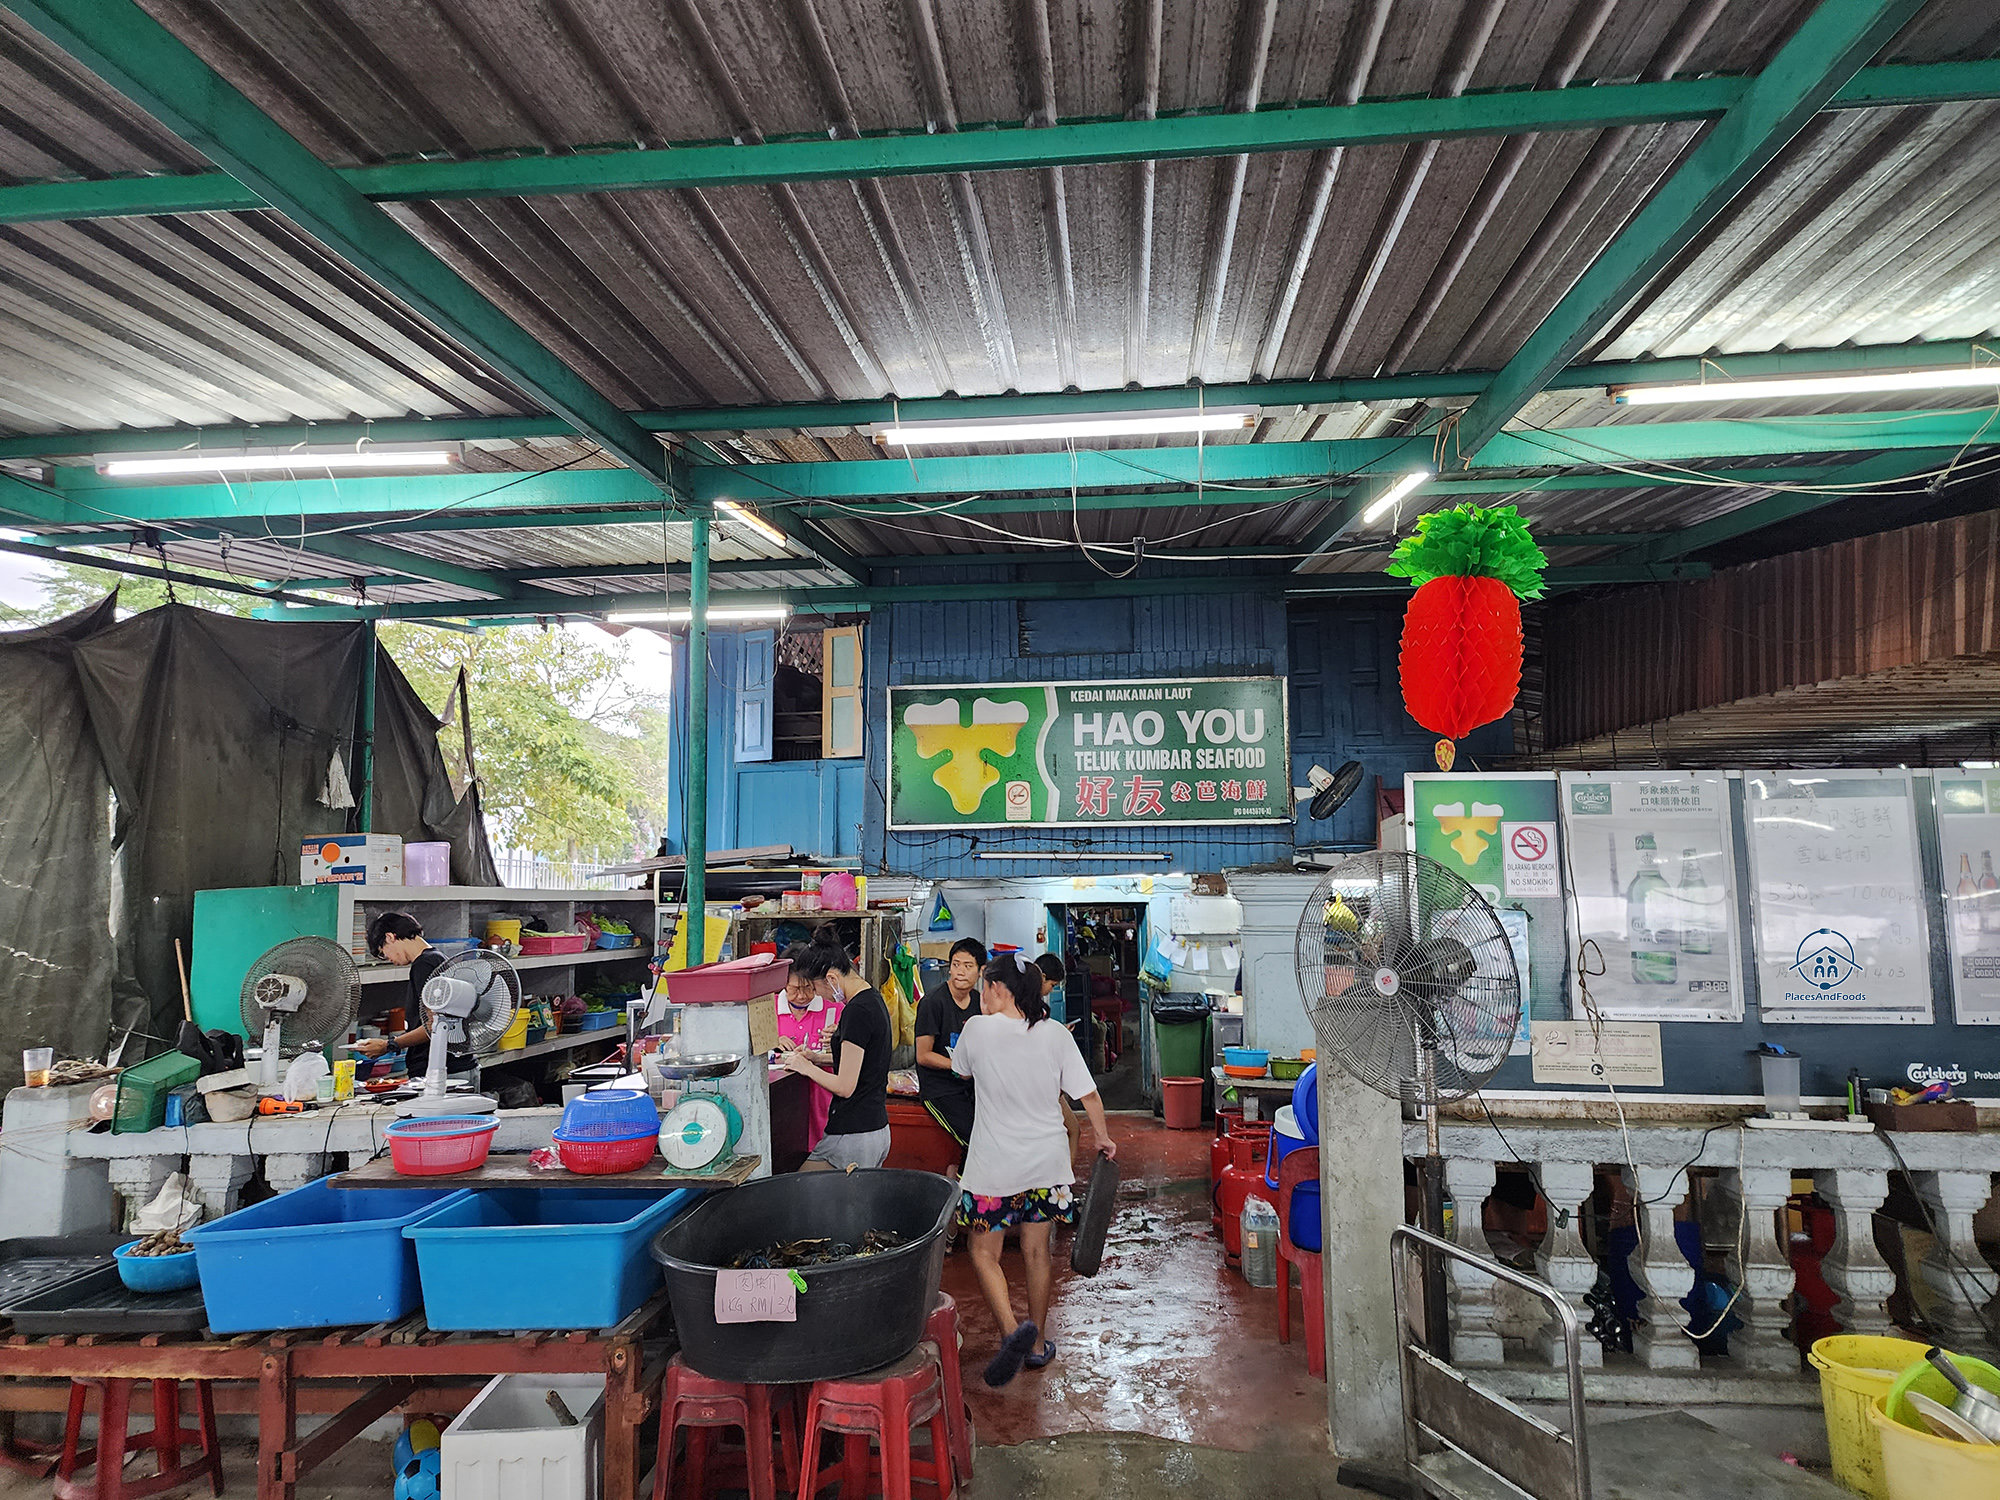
{"points": [[1461, 659]]}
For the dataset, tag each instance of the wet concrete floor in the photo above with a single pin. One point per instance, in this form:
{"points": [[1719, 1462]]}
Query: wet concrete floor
{"points": [[1166, 1341]]}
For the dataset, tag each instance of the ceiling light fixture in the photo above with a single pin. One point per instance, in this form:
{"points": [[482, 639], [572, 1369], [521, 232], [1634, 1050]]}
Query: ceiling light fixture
{"points": [[1395, 492], [728, 616], [749, 518], [1057, 429], [1816, 385], [1058, 854], [273, 462]]}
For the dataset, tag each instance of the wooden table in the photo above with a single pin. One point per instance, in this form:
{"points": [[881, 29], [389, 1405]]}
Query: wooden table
{"points": [[511, 1170], [1254, 1092]]}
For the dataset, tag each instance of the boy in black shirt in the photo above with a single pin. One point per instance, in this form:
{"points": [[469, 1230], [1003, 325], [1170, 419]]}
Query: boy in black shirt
{"points": [[941, 1016]]}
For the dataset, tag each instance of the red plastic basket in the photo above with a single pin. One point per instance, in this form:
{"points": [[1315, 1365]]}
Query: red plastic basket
{"points": [[441, 1146], [601, 1158], [542, 945]]}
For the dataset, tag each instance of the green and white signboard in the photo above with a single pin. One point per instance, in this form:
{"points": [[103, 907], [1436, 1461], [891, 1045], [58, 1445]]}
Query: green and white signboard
{"points": [[1082, 754]]}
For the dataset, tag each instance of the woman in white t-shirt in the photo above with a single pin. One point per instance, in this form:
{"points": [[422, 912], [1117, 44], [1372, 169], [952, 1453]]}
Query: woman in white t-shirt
{"points": [[1018, 1169]]}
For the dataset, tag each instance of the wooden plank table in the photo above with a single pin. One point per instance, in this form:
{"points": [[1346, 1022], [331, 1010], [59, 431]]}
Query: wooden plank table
{"points": [[511, 1170], [1255, 1092]]}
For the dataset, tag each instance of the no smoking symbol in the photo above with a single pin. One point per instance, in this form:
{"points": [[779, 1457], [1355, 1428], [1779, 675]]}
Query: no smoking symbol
{"points": [[1529, 844]]}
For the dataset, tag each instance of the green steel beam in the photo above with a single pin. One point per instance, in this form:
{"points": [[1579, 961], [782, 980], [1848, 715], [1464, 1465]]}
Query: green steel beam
{"points": [[142, 570], [1874, 475], [381, 559], [598, 572], [807, 415], [1011, 146], [145, 62], [1829, 47]]}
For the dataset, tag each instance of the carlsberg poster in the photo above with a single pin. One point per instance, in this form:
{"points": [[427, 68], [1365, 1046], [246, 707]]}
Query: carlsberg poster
{"points": [[1067, 754]]}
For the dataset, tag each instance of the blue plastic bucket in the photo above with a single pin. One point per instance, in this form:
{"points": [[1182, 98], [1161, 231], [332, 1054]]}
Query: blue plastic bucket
{"points": [[541, 1257], [313, 1258]]}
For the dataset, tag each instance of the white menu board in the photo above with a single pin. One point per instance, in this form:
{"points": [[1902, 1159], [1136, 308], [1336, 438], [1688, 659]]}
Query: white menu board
{"points": [[1837, 897], [1652, 876], [1968, 830]]}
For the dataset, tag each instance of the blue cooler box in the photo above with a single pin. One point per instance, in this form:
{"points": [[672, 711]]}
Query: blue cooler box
{"points": [[1287, 1137], [313, 1258], [541, 1257]]}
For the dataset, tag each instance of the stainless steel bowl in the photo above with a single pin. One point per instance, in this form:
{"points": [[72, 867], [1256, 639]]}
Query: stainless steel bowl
{"points": [[702, 1065]]}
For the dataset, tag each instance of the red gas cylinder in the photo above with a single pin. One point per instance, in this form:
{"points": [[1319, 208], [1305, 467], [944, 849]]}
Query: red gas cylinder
{"points": [[1221, 1151], [1242, 1179]]}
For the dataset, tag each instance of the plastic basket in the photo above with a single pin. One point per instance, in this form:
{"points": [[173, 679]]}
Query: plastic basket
{"points": [[441, 1146], [143, 1090], [617, 940], [470, 1253], [542, 945], [597, 1020], [609, 1115], [596, 1158]]}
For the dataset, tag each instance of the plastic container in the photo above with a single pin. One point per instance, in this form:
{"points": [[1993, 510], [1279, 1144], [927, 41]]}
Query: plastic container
{"points": [[515, 1037], [837, 892], [617, 940], [725, 983], [452, 947], [1305, 1104], [1181, 1103], [441, 1146], [609, 1115], [477, 1257], [1259, 1223], [1918, 1466], [508, 1444], [1246, 1057], [314, 1258], [503, 930], [1287, 1069], [427, 864], [1855, 1370], [596, 1020], [156, 1273], [598, 1158], [854, 1315], [1781, 1083], [544, 944], [143, 1090]]}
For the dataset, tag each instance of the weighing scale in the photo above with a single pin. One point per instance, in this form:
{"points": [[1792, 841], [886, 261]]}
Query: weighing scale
{"points": [[700, 1133], [729, 1020]]}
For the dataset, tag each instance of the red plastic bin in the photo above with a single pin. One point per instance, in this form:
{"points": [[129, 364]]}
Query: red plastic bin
{"points": [[541, 945], [734, 982], [440, 1146]]}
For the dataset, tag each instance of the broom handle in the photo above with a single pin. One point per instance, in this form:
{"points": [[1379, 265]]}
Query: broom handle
{"points": [[187, 1000]]}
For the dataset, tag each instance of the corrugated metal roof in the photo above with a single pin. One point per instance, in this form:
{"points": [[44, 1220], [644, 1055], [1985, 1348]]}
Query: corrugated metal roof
{"points": [[1873, 225]]}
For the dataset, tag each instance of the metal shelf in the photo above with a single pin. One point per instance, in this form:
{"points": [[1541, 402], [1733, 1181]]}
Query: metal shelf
{"points": [[561, 1043], [497, 895], [383, 973]]}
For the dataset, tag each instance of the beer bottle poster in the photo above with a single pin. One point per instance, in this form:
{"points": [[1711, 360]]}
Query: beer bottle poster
{"points": [[1497, 832], [1652, 868], [1968, 829], [1837, 897]]}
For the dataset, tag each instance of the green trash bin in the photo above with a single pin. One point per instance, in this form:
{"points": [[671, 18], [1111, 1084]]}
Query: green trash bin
{"points": [[1180, 1040]]}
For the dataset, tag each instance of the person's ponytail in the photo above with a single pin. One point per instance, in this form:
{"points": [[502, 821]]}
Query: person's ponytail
{"points": [[826, 954], [1024, 982]]}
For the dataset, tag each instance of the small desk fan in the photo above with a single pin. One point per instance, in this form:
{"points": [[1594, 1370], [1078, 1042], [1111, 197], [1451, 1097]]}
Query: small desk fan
{"points": [[305, 990], [469, 1002], [1412, 988]]}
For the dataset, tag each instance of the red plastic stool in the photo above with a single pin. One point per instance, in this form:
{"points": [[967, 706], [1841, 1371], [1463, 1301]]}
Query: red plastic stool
{"points": [[166, 1440], [942, 1330], [692, 1400], [885, 1404]]}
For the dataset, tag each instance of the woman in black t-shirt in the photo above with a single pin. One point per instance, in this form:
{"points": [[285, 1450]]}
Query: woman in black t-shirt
{"points": [[855, 1066]]}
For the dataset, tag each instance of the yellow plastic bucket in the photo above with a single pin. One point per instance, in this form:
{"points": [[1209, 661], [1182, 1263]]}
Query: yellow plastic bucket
{"points": [[1922, 1467], [516, 1035], [503, 929], [1854, 1371]]}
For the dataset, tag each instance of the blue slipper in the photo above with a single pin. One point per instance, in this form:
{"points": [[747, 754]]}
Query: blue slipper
{"points": [[1013, 1353], [1041, 1357]]}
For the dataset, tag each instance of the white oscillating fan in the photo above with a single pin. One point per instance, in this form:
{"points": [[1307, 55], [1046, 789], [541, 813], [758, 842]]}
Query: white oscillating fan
{"points": [[468, 1005], [305, 990]]}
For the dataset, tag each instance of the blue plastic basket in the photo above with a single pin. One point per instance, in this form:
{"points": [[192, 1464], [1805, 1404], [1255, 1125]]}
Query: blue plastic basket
{"points": [[609, 1115], [479, 1257], [597, 1020], [313, 1258]]}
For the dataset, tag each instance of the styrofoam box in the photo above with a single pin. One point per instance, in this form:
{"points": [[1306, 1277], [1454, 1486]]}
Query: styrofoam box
{"points": [[509, 1445], [352, 859]]}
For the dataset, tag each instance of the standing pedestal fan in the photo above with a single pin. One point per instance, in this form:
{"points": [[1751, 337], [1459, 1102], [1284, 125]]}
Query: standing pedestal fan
{"points": [[468, 1004], [1412, 988], [303, 991]]}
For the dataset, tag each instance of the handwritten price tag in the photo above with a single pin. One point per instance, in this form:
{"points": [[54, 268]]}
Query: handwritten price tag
{"points": [[756, 1297]]}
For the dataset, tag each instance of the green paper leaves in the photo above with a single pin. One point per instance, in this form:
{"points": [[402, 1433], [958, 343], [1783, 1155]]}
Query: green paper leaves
{"points": [[1470, 541]]}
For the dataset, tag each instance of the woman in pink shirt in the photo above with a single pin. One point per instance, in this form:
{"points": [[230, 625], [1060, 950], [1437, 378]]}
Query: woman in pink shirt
{"points": [[808, 1019]]}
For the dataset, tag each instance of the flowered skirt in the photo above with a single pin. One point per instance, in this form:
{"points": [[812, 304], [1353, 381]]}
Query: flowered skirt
{"points": [[1054, 1205]]}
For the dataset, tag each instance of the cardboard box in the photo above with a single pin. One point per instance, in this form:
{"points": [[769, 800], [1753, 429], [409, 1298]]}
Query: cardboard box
{"points": [[352, 859]]}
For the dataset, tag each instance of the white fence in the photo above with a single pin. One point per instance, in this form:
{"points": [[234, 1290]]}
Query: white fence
{"points": [[532, 872]]}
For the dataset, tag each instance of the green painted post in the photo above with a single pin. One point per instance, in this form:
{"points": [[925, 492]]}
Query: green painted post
{"points": [[696, 814], [364, 758]]}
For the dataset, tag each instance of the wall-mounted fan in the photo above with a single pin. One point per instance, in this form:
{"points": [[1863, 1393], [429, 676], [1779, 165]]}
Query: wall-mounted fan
{"points": [[1329, 790], [1412, 988], [305, 990]]}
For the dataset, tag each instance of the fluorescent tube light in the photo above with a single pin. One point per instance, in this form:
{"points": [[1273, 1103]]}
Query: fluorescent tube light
{"points": [[1814, 385], [1975, 765], [715, 616], [1055, 429], [275, 463], [1395, 492], [751, 519], [1057, 855]]}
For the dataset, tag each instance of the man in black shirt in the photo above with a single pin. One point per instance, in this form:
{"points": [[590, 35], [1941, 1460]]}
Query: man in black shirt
{"points": [[941, 1016], [397, 937], [855, 1066]]}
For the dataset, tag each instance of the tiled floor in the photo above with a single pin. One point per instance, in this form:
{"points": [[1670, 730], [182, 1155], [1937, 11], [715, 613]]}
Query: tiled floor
{"points": [[1165, 1340]]}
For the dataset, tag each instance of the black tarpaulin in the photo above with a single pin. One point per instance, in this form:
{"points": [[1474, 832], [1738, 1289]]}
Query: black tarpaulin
{"points": [[413, 791], [57, 961]]}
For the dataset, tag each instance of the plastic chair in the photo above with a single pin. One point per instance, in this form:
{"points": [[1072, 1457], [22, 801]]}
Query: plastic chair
{"points": [[942, 1330], [692, 1400], [166, 1440], [1301, 1164], [884, 1404]]}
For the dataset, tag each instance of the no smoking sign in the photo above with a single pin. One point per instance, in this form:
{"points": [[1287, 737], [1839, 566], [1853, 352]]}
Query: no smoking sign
{"points": [[1528, 859]]}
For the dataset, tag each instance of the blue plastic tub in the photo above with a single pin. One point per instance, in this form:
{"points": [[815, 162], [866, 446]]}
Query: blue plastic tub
{"points": [[313, 1258], [541, 1257]]}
